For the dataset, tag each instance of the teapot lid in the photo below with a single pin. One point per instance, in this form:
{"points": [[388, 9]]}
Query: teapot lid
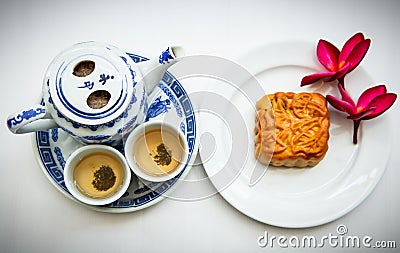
{"points": [[91, 83]]}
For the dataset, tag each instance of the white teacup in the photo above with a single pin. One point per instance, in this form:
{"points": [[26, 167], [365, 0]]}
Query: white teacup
{"points": [[156, 151], [97, 174]]}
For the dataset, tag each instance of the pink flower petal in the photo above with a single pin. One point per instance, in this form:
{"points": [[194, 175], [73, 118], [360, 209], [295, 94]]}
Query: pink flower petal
{"points": [[341, 105], [346, 68], [382, 103], [330, 79], [369, 94], [316, 77], [328, 55], [361, 115], [358, 54], [346, 97], [349, 46]]}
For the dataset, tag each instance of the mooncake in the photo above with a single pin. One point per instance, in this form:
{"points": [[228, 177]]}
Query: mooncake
{"points": [[293, 127]]}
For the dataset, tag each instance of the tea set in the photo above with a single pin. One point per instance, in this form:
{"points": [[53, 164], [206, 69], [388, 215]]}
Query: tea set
{"points": [[96, 95]]}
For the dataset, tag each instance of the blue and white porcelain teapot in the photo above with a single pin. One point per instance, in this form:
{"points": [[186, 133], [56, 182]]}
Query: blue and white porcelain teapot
{"points": [[95, 92]]}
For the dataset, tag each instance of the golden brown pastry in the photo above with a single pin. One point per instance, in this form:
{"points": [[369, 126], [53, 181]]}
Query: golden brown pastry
{"points": [[300, 132]]}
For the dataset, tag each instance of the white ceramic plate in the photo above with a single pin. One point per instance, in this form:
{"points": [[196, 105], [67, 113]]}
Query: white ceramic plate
{"points": [[169, 101], [297, 198]]}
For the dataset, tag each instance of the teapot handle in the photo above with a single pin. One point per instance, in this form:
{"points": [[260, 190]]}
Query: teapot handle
{"points": [[30, 119]]}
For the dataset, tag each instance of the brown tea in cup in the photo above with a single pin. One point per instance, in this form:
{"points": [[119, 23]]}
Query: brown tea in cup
{"points": [[98, 175], [158, 151]]}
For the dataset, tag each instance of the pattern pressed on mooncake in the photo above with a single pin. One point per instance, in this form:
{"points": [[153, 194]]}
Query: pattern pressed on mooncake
{"points": [[299, 137]]}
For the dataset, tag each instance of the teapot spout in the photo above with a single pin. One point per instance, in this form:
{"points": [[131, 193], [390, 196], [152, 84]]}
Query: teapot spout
{"points": [[153, 70]]}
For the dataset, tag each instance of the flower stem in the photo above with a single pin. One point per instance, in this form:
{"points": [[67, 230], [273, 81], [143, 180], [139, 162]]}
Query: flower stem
{"points": [[341, 81], [355, 131]]}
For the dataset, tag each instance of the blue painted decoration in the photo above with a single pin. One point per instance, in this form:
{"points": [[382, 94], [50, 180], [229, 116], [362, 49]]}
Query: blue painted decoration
{"points": [[183, 127], [60, 157], [25, 115], [87, 84], [158, 107], [104, 78], [54, 134], [165, 57], [133, 73]]}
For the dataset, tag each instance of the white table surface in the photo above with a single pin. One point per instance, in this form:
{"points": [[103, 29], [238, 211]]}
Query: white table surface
{"points": [[35, 217]]}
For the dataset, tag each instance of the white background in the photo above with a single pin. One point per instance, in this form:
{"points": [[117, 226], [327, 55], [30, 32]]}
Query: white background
{"points": [[35, 217]]}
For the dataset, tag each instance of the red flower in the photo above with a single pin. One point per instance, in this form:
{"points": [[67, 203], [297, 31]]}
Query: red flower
{"points": [[338, 63], [372, 103]]}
